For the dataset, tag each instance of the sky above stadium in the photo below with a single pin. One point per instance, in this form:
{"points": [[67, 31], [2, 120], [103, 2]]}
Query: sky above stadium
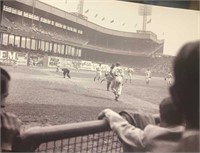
{"points": [[175, 26]]}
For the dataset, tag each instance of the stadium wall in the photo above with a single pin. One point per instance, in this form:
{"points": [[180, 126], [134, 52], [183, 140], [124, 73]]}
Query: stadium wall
{"points": [[13, 58]]}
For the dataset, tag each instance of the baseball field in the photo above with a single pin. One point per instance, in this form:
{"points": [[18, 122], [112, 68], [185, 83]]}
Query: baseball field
{"points": [[42, 97]]}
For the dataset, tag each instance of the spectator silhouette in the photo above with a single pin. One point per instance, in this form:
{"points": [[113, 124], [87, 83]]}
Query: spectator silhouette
{"points": [[185, 92], [140, 140], [185, 95], [10, 124]]}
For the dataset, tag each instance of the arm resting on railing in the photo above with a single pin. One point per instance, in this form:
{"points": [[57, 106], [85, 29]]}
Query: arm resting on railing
{"points": [[33, 137]]}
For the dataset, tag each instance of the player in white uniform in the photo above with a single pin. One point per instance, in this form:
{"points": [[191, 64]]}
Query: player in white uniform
{"points": [[130, 72], [109, 77], [169, 78], [98, 73], [57, 68], [148, 76], [117, 82]]}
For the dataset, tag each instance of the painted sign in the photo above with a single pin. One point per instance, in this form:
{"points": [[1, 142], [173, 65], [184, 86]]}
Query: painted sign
{"points": [[76, 64], [53, 61], [13, 58], [22, 58], [36, 59], [8, 57], [66, 63], [88, 65]]}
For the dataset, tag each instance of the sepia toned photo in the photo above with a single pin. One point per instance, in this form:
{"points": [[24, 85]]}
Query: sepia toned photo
{"points": [[99, 76]]}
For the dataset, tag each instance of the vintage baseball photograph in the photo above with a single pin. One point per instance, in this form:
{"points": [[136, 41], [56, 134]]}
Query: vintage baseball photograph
{"points": [[99, 76]]}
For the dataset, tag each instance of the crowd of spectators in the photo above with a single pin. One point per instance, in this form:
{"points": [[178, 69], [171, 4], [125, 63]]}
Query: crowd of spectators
{"points": [[41, 31], [161, 65]]}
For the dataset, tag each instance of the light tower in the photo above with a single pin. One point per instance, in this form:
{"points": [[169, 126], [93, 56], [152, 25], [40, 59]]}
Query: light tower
{"points": [[145, 11], [80, 7]]}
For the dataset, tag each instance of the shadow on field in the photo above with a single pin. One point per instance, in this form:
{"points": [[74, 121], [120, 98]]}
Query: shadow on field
{"points": [[96, 97], [58, 89], [98, 89]]}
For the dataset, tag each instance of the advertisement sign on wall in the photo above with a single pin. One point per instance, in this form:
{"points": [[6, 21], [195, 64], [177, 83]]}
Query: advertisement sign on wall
{"points": [[36, 59], [66, 63], [88, 65], [13, 58], [59, 61], [53, 61], [76, 64], [22, 58], [8, 57]]}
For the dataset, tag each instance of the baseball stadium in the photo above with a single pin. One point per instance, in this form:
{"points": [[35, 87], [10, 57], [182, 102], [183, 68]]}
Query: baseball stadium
{"points": [[38, 41]]}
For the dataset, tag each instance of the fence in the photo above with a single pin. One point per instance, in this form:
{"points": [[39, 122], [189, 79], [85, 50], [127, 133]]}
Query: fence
{"points": [[91, 136]]}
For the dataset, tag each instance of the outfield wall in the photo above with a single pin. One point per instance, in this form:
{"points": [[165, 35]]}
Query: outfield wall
{"points": [[40, 60]]}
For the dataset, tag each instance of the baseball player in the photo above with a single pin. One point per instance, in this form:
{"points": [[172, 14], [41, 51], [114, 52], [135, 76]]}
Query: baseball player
{"points": [[148, 76], [66, 71], [117, 82], [98, 73], [169, 78], [109, 77], [77, 66], [130, 72], [57, 68]]}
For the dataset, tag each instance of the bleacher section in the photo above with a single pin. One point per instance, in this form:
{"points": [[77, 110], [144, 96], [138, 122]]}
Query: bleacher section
{"points": [[21, 26], [162, 65]]}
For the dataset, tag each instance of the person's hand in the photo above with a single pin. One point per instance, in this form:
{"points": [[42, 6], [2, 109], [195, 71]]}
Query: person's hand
{"points": [[10, 127], [102, 114]]}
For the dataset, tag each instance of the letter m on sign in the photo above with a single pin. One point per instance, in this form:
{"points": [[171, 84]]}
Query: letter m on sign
{"points": [[12, 55]]}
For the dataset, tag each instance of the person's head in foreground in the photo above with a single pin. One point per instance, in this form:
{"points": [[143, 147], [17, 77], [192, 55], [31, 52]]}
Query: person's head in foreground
{"points": [[5, 78], [185, 90], [170, 115], [185, 95], [10, 124]]}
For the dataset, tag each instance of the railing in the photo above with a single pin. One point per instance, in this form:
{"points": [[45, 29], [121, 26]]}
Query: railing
{"points": [[91, 136]]}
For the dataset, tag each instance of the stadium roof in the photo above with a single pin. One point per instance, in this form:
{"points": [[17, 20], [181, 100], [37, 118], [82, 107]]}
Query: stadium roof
{"points": [[184, 4]]}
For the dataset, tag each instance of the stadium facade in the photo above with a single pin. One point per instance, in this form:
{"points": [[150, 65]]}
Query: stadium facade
{"points": [[32, 31]]}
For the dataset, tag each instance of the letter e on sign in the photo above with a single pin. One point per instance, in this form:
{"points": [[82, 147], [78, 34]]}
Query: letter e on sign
{"points": [[3, 54]]}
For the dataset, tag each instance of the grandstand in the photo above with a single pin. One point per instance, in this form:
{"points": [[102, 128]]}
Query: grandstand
{"points": [[36, 27]]}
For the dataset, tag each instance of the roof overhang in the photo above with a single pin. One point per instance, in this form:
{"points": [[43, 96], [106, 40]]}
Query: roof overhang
{"points": [[183, 4]]}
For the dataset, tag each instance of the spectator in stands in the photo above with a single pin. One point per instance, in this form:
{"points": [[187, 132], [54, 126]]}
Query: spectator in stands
{"points": [[10, 124], [185, 92], [139, 140]]}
